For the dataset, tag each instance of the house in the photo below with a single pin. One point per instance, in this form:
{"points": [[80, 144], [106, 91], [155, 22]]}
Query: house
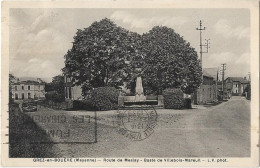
{"points": [[207, 92], [24, 90], [72, 92], [236, 85]]}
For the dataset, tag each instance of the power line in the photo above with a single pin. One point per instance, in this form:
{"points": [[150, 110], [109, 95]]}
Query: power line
{"points": [[207, 43]]}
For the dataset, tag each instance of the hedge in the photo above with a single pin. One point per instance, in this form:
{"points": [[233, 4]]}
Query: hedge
{"points": [[55, 96], [83, 105], [104, 98], [173, 98]]}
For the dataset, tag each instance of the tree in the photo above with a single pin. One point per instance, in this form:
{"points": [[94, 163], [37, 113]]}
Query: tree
{"points": [[12, 79], [105, 54], [168, 61], [99, 55], [55, 89], [248, 91]]}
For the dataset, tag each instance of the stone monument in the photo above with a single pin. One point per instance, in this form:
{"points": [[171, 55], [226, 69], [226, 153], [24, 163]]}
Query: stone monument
{"points": [[139, 91], [139, 98]]}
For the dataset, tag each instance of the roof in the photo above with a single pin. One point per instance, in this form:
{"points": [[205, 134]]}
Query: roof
{"points": [[28, 82], [238, 79], [210, 72]]}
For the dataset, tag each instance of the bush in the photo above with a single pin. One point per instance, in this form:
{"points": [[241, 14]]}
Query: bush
{"points": [[187, 104], [55, 97], [104, 98], [248, 90], [78, 105], [173, 98], [83, 105]]}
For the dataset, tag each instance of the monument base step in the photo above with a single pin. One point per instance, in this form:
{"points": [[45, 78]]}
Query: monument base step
{"points": [[142, 107], [139, 103]]}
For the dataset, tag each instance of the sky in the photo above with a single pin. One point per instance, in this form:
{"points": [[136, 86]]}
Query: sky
{"points": [[39, 38]]}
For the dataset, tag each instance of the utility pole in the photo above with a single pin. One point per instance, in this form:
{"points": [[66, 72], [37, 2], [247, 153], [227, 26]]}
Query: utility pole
{"points": [[223, 78], [206, 45], [217, 85]]}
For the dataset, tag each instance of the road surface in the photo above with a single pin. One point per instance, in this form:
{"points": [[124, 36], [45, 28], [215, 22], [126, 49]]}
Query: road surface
{"points": [[215, 131]]}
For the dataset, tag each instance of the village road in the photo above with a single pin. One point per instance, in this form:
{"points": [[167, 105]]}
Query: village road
{"points": [[215, 131]]}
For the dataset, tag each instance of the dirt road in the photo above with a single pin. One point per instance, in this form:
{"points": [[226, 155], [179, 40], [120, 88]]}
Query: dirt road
{"points": [[217, 131]]}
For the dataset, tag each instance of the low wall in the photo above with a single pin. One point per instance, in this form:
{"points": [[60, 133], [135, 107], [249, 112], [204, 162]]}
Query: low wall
{"points": [[155, 100]]}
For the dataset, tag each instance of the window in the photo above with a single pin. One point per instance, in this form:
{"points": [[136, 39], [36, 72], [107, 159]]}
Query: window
{"points": [[236, 91], [29, 87], [22, 95], [16, 96], [22, 87], [29, 95], [236, 85], [15, 88]]}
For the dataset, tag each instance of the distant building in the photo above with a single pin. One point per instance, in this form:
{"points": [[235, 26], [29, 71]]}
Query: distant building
{"points": [[24, 90], [72, 92], [207, 92], [236, 85]]}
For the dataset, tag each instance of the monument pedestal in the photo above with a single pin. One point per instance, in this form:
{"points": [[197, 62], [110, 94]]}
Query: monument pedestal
{"points": [[140, 98], [160, 100], [139, 91]]}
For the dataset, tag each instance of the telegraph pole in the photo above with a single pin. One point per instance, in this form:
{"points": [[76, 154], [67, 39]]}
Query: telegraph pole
{"points": [[223, 77], [217, 85], [249, 77], [201, 45], [201, 28]]}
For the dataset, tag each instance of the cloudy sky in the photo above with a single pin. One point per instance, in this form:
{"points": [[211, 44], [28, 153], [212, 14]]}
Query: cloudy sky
{"points": [[39, 38]]}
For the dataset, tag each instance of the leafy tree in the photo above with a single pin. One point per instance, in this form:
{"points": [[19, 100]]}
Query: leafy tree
{"points": [[58, 84], [99, 55], [55, 89], [107, 55], [248, 90], [12, 78], [168, 61]]}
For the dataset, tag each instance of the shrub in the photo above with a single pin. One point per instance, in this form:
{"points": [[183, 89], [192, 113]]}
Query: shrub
{"points": [[173, 98], [55, 96], [83, 104], [104, 98], [78, 105], [248, 90]]}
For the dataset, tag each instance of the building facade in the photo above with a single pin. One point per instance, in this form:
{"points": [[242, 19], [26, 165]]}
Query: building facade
{"points": [[24, 90], [207, 92], [236, 85], [72, 92]]}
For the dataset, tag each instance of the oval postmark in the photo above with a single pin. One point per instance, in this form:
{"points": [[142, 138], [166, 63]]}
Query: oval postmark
{"points": [[136, 123]]}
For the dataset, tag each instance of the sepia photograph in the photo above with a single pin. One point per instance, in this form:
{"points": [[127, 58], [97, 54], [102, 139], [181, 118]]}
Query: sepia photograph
{"points": [[97, 84]]}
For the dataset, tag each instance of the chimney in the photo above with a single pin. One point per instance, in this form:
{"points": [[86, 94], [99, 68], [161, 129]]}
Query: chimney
{"points": [[39, 80]]}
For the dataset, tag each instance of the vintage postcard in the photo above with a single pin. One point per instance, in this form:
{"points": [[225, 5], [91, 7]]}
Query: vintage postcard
{"points": [[130, 83]]}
